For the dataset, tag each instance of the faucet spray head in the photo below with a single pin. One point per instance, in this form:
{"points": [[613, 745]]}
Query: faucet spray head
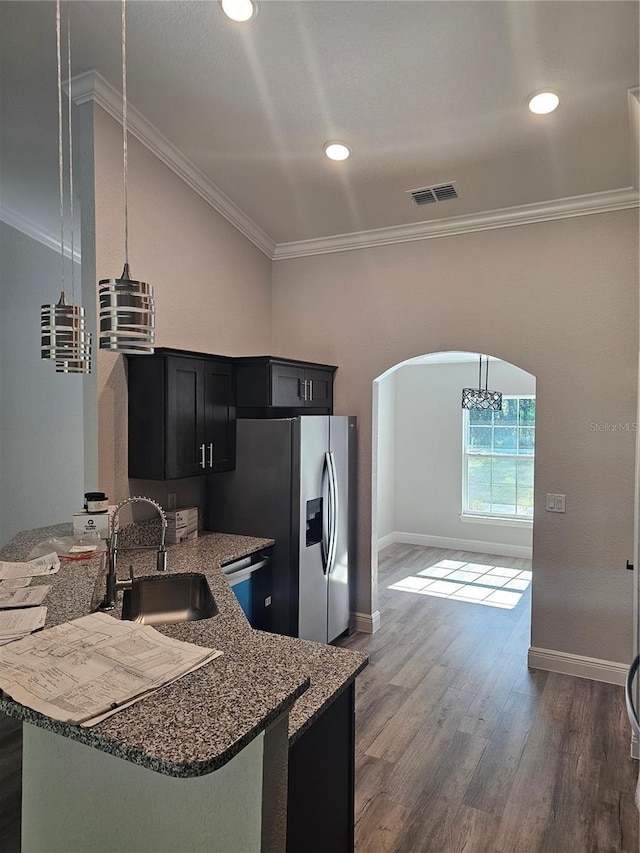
{"points": [[161, 559]]}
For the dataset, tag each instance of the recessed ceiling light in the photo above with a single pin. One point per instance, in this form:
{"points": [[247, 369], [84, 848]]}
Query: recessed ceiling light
{"points": [[542, 103], [337, 150], [239, 10]]}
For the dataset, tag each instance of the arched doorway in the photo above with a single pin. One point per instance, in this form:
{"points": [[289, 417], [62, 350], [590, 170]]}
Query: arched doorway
{"points": [[456, 482]]}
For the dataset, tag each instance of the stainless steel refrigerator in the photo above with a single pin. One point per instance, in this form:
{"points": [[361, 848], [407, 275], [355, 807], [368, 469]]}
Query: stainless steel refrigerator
{"points": [[294, 482]]}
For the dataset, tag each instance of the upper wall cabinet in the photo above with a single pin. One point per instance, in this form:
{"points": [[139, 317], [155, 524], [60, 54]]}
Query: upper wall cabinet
{"points": [[269, 387], [181, 415]]}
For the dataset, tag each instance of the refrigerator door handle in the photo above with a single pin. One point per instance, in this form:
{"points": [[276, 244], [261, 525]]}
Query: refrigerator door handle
{"points": [[325, 547], [628, 694], [333, 512]]}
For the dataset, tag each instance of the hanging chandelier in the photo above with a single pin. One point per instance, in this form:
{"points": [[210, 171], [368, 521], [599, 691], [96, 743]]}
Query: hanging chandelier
{"points": [[64, 338], [482, 398], [127, 306]]}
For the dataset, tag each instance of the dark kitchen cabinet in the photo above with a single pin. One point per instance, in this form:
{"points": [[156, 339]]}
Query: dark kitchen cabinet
{"points": [[281, 387], [181, 415], [321, 785]]}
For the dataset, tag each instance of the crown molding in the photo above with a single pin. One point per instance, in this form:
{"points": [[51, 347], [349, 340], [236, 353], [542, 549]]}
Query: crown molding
{"points": [[507, 217], [31, 229], [91, 86]]}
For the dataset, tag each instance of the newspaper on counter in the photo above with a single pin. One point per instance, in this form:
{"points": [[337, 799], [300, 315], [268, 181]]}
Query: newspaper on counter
{"points": [[16, 624], [84, 671], [14, 583], [47, 565], [25, 597]]}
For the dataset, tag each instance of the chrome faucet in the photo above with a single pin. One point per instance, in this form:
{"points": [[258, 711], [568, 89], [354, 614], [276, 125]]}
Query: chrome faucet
{"points": [[113, 584]]}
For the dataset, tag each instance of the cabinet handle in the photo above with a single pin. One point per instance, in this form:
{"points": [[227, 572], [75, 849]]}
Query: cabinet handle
{"points": [[310, 398], [302, 389], [202, 452], [211, 455]]}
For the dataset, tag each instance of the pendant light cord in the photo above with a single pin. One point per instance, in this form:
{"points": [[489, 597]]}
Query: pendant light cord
{"points": [[124, 136], [73, 293], [60, 162]]}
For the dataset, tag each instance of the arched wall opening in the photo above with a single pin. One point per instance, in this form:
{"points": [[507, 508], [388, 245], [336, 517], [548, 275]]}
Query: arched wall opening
{"points": [[448, 478]]}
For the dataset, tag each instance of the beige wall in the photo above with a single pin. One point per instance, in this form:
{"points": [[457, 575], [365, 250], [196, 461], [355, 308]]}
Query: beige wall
{"points": [[212, 286], [560, 300]]}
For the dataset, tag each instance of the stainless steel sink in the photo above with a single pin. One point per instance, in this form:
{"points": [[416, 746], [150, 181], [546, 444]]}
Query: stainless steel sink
{"points": [[165, 599]]}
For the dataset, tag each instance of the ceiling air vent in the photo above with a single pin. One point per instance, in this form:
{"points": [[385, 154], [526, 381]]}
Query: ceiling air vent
{"points": [[430, 195]]}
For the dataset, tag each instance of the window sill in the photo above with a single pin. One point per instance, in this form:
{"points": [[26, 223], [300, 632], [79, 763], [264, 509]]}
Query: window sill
{"points": [[524, 523]]}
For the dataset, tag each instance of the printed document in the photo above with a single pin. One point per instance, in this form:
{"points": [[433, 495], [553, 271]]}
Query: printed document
{"points": [[15, 624], [47, 565], [15, 583], [28, 597], [86, 670]]}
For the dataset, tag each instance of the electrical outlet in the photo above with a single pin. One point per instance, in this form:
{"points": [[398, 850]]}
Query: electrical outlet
{"points": [[267, 601], [171, 500], [556, 503]]}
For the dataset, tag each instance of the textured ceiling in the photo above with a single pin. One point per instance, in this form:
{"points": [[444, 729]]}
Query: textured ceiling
{"points": [[424, 92]]}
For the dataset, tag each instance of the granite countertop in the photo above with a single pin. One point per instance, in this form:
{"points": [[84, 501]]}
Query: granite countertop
{"points": [[198, 723]]}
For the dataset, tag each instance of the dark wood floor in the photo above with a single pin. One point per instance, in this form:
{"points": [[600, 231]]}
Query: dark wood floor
{"points": [[461, 748]]}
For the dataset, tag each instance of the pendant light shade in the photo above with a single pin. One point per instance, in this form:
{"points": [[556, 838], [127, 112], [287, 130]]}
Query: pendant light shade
{"points": [[479, 398], [63, 336], [127, 314], [127, 306], [63, 333], [80, 366], [482, 398]]}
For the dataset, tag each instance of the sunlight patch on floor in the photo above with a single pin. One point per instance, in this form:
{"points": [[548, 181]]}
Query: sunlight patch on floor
{"points": [[495, 586]]}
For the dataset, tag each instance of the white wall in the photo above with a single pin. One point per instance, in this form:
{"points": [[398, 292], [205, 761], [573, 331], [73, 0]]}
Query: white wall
{"points": [[428, 456], [386, 455], [41, 433], [559, 299]]}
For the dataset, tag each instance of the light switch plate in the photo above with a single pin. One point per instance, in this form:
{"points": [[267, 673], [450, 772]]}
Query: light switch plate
{"points": [[555, 503]]}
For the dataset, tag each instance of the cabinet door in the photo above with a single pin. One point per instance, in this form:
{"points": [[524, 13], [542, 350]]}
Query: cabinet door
{"points": [[321, 784], [287, 385], [319, 389], [185, 450], [219, 433]]}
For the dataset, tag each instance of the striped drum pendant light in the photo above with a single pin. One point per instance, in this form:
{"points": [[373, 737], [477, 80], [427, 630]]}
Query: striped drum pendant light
{"points": [[127, 306], [64, 338]]}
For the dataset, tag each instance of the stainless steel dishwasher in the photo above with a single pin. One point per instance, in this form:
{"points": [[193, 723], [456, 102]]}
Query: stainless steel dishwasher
{"points": [[250, 580]]}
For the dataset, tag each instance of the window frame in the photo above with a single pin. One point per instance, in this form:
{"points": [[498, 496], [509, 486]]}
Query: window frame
{"points": [[488, 517]]}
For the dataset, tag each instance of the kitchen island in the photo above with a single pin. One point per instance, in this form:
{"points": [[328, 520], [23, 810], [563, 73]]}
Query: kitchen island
{"points": [[223, 731]]}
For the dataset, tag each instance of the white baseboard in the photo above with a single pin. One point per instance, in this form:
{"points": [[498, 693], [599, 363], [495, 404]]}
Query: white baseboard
{"points": [[387, 540], [480, 547], [366, 622], [582, 667]]}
